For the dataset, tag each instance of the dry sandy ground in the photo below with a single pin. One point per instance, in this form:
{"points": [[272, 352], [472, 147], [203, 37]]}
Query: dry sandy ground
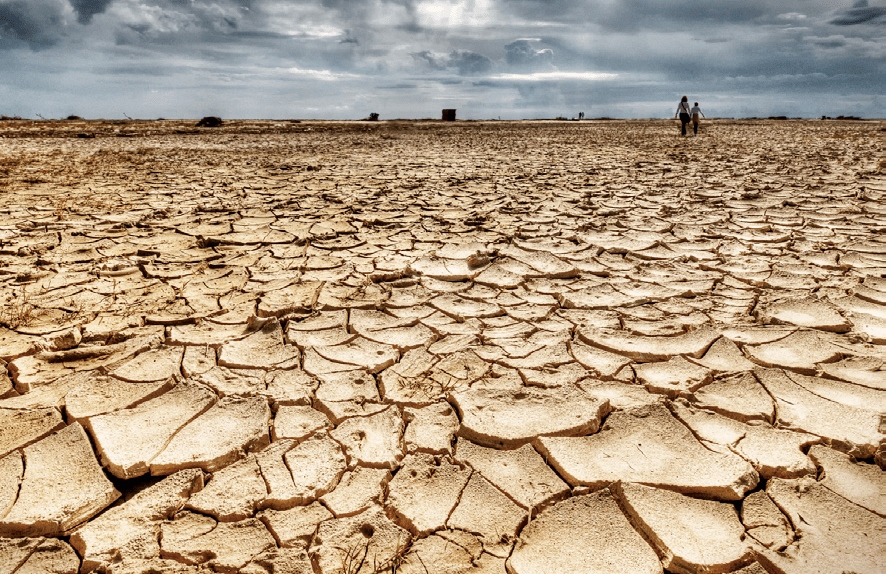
{"points": [[416, 347]]}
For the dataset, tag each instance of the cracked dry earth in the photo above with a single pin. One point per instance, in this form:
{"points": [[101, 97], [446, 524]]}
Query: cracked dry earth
{"points": [[345, 348]]}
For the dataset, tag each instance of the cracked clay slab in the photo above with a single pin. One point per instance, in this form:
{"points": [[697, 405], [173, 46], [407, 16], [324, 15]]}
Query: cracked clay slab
{"points": [[833, 534], [647, 445], [508, 419], [692, 535], [47, 506], [127, 453], [586, 534], [217, 437]]}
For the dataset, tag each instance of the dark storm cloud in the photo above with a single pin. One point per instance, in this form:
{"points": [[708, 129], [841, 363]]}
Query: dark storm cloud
{"points": [[86, 9], [860, 13], [539, 58], [43, 23], [37, 22]]}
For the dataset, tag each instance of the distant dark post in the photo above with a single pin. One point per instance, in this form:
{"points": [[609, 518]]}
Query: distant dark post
{"points": [[448, 115]]}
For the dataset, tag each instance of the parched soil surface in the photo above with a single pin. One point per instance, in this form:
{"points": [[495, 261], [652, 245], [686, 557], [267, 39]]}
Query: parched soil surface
{"points": [[417, 347]]}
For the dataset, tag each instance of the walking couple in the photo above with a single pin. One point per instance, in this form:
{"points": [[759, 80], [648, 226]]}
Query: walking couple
{"points": [[686, 115]]}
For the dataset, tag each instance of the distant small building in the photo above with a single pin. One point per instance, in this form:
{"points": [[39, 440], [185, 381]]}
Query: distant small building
{"points": [[448, 115], [210, 122]]}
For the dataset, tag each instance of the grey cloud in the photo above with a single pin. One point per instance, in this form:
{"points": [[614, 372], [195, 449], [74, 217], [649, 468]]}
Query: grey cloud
{"points": [[523, 54], [470, 63], [174, 22], [154, 71], [355, 13], [247, 4], [550, 10], [258, 34], [834, 42], [177, 22], [540, 95], [466, 62], [350, 38], [86, 9], [750, 51], [637, 14], [860, 13], [434, 61], [688, 10], [402, 86]]}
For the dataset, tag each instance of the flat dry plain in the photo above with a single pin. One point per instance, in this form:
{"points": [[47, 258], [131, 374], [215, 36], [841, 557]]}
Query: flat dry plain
{"points": [[426, 348]]}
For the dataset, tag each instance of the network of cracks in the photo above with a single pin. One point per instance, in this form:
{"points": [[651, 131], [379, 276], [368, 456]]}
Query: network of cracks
{"points": [[520, 348]]}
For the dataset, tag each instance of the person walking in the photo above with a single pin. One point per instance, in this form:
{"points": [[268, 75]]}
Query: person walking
{"points": [[694, 113], [683, 112]]}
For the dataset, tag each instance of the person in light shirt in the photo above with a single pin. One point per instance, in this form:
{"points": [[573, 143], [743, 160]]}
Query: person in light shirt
{"points": [[694, 113], [683, 112]]}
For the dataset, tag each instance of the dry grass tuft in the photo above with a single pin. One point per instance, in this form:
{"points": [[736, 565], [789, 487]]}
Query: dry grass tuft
{"points": [[18, 313], [353, 557]]}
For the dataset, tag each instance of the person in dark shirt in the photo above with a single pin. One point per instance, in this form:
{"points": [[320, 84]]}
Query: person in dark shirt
{"points": [[683, 112]]}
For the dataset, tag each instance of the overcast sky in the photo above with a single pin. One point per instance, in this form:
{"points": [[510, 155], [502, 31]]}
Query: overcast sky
{"points": [[342, 59]]}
